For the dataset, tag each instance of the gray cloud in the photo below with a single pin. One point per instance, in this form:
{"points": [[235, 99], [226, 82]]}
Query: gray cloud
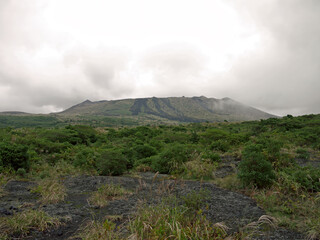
{"points": [[174, 70], [43, 70], [283, 77]]}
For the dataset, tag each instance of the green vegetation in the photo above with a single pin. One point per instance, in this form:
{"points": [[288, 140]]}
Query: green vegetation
{"points": [[268, 171], [172, 220], [255, 168], [29, 121], [106, 193], [50, 190], [95, 230], [23, 222], [135, 112]]}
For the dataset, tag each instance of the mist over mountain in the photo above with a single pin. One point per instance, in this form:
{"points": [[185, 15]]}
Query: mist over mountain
{"points": [[180, 109], [139, 111]]}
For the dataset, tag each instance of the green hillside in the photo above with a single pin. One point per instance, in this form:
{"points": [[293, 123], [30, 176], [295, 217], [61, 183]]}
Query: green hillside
{"points": [[140, 111], [180, 109]]}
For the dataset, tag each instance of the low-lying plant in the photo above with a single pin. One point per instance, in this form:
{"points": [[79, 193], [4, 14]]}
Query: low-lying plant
{"points": [[198, 169], [23, 223], [3, 181], [44, 170], [175, 218], [294, 206], [51, 190], [106, 193], [96, 230]]}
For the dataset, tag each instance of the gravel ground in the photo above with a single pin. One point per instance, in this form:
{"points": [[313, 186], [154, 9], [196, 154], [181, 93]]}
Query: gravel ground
{"points": [[234, 209]]}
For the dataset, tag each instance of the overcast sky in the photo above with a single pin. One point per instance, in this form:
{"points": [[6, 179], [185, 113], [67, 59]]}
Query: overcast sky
{"points": [[57, 53]]}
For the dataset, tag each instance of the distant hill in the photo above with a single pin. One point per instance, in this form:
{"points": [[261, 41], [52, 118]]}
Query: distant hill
{"points": [[176, 109], [140, 111]]}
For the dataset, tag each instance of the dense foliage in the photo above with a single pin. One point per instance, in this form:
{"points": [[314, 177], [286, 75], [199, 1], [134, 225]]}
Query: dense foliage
{"points": [[272, 153], [266, 146]]}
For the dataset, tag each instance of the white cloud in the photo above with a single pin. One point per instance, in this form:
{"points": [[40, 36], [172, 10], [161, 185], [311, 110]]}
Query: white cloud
{"points": [[56, 53]]}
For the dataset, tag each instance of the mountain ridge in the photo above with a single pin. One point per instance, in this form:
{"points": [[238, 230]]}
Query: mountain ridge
{"points": [[180, 109], [139, 111]]}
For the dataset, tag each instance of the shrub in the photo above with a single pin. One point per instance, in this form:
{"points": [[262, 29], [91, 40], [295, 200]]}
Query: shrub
{"points": [[85, 158], [144, 151], [254, 168], [214, 134], [111, 162], [14, 156], [60, 135], [160, 164], [309, 178], [220, 145], [21, 172], [303, 154], [87, 134], [212, 156], [171, 159]]}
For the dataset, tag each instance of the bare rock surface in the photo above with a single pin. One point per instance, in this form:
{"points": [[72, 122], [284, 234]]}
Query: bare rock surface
{"points": [[234, 209]]}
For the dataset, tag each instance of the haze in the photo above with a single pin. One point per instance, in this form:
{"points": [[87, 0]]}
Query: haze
{"points": [[57, 53]]}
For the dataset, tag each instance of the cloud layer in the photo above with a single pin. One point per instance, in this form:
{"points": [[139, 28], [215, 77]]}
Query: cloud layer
{"points": [[264, 53]]}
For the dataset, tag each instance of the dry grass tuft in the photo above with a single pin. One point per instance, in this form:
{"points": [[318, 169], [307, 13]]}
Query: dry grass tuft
{"points": [[222, 227], [171, 220], [265, 223], [51, 191], [95, 230], [106, 193], [3, 181], [22, 223], [197, 169]]}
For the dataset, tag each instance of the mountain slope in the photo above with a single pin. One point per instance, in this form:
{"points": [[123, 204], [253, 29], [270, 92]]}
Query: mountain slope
{"points": [[172, 109]]}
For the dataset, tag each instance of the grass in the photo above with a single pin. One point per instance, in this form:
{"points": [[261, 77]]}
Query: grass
{"points": [[51, 190], [95, 230], [43, 170], [175, 218], [287, 201], [198, 169], [172, 218], [106, 193], [23, 223], [3, 181]]}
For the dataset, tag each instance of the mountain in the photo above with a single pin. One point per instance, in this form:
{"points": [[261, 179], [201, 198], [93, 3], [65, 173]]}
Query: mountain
{"points": [[168, 110], [140, 111]]}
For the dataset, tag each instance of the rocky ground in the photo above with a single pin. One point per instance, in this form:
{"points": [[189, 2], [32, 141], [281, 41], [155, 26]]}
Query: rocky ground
{"points": [[234, 209]]}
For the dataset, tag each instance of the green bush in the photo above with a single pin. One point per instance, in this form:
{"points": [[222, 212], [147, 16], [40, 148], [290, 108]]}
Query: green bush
{"points": [[22, 172], [14, 156], [144, 151], [255, 169], [145, 161], [86, 134], [212, 156], [85, 158], [309, 178], [171, 159], [111, 162], [271, 147], [61, 135], [214, 134], [220, 145]]}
